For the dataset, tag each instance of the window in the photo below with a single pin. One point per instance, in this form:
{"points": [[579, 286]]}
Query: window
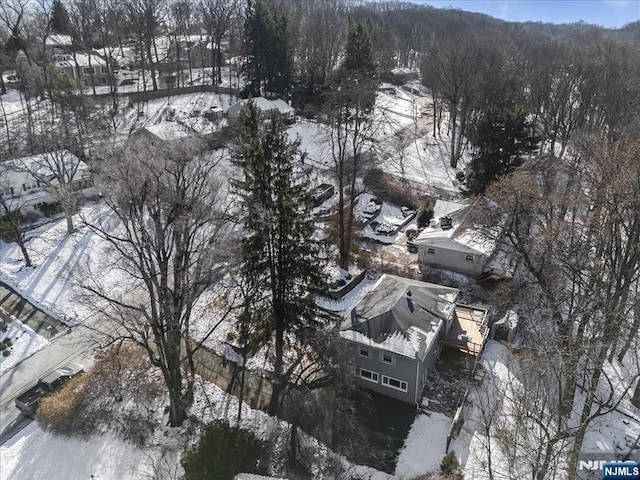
{"points": [[431, 251], [386, 357], [364, 352], [367, 375], [104, 70], [469, 258], [103, 81], [394, 383], [89, 70]]}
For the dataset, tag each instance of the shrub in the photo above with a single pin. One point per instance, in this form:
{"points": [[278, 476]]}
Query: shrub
{"points": [[86, 403], [425, 214], [223, 452], [449, 464], [6, 353], [50, 209], [386, 187]]}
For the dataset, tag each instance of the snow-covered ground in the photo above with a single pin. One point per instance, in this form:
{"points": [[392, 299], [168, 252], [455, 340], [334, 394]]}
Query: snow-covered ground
{"points": [[612, 434], [24, 342], [424, 447], [35, 453]]}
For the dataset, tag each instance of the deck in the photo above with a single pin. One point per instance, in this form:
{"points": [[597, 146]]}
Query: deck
{"points": [[469, 331]]}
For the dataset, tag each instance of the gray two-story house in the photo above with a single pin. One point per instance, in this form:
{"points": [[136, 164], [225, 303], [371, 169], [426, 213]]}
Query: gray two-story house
{"points": [[394, 334]]}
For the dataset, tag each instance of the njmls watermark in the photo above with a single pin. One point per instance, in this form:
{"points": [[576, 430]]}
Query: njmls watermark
{"points": [[616, 470]]}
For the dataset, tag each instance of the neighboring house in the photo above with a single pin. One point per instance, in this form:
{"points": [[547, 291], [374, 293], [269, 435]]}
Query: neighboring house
{"points": [[88, 70], [24, 182], [57, 44], [165, 132], [265, 106], [452, 242], [195, 46], [396, 331]]}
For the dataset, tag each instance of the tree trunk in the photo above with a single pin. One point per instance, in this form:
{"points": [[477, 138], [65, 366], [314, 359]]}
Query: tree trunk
{"points": [[69, 218], [219, 60], [452, 126], [3, 87], [25, 253], [152, 66], [633, 333], [278, 383]]}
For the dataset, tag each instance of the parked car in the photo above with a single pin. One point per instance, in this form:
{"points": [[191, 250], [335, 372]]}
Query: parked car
{"points": [[385, 228], [28, 401], [372, 207]]}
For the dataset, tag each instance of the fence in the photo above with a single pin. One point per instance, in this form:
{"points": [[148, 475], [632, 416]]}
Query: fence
{"points": [[136, 97], [226, 374]]}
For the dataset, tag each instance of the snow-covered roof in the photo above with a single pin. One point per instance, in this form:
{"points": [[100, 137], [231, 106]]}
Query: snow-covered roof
{"points": [[282, 106], [400, 315], [263, 104], [466, 236], [168, 131], [58, 40], [81, 60], [41, 165]]}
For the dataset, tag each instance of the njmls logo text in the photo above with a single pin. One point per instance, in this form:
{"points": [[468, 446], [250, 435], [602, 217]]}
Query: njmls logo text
{"points": [[613, 470], [599, 464]]}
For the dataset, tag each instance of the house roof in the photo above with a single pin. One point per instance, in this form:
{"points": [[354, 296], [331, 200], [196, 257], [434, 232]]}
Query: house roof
{"points": [[466, 236], [264, 105], [58, 40], [168, 131], [41, 165], [390, 318], [81, 60]]}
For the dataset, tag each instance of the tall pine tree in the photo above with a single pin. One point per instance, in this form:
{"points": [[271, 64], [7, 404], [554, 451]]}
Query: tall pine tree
{"points": [[268, 67], [60, 22], [502, 139], [280, 255]]}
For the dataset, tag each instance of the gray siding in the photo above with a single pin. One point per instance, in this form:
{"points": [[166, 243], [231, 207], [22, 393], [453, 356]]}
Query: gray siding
{"points": [[451, 259], [403, 369]]}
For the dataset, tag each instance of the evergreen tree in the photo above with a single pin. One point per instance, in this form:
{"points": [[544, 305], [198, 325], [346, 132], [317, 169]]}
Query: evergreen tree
{"points": [[60, 22], [360, 57], [280, 255], [502, 139], [268, 64]]}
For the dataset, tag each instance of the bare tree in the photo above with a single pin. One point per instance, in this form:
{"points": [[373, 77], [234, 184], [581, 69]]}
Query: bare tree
{"points": [[217, 16], [168, 245], [145, 18], [575, 228], [448, 70], [18, 224]]}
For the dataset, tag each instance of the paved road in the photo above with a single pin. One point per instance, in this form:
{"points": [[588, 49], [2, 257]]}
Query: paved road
{"points": [[75, 344]]}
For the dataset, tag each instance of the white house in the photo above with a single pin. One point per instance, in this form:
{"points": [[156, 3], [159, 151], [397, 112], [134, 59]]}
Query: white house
{"points": [[265, 106], [87, 69], [452, 242], [26, 182]]}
